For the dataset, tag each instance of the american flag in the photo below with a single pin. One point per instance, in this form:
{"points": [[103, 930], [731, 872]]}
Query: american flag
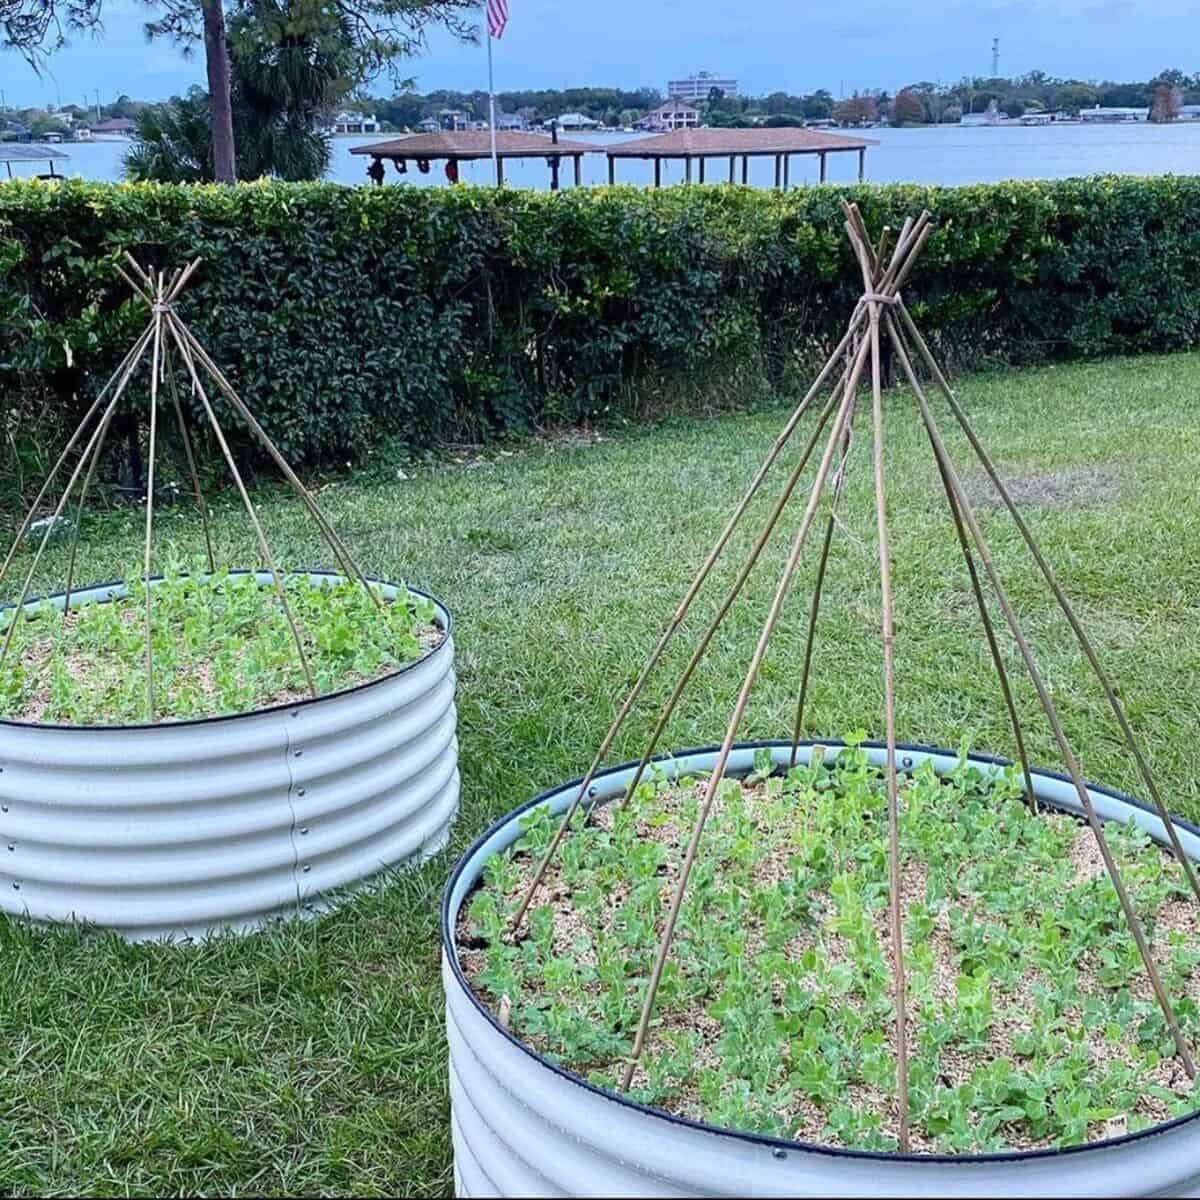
{"points": [[497, 15]]}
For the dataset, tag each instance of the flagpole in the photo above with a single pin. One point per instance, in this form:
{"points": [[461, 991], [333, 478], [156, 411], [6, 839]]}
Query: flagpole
{"points": [[487, 33]]}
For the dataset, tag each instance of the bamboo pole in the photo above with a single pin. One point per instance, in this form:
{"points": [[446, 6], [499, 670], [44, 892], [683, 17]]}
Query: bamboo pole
{"points": [[885, 235], [1048, 573], [146, 289], [118, 392], [990, 634], [182, 281], [814, 608], [863, 250], [193, 471], [332, 538], [131, 357], [155, 361], [714, 783], [895, 903], [1051, 713], [83, 492], [264, 545]]}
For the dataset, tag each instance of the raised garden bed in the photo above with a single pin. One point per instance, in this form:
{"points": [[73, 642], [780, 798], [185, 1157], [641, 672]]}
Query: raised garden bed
{"points": [[1040, 1063], [246, 796]]}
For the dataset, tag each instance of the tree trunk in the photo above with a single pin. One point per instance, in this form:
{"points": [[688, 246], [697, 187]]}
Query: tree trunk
{"points": [[217, 61]]}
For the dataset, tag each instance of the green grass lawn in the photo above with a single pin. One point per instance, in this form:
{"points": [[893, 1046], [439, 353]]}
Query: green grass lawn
{"points": [[310, 1058]]}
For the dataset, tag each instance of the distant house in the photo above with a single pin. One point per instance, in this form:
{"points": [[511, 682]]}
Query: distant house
{"points": [[429, 125], [992, 116], [114, 127], [511, 121], [1113, 116], [1189, 112], [454, 119], [348, 122], [575, 120], [670, 115]]}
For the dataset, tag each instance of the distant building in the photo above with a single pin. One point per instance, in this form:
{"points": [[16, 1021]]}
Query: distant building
{"points": [[574, 120], [1189, 112], [348, 122], [115, 127], [511, 121], [454, 119], [698, 86], [429, 125], [669, 116], [1113, 115], [992, 116]]}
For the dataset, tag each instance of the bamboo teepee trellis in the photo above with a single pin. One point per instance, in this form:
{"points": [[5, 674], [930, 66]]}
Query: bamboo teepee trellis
{"points": [[164, 337], [880, 312]]}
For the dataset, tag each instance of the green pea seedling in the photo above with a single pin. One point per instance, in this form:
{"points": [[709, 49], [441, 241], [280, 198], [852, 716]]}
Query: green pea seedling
{"points": [[221, 644], [1031, 1024]]}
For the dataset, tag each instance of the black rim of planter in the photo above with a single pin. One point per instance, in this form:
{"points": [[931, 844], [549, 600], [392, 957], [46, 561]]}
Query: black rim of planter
{"points": [[781, 1144], [322, 572]]}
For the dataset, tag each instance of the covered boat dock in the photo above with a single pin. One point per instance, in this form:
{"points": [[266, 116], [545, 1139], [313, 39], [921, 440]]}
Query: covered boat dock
{"points": [[699, 145], [31, 152], [422, 149]]}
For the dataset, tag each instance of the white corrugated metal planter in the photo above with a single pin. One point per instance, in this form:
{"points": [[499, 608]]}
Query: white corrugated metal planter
{"points": [[522, 1127], [179, 829]]}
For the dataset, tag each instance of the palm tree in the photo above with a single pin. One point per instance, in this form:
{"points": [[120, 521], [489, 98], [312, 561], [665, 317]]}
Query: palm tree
{"points": [[173, 142], [287, 70]]}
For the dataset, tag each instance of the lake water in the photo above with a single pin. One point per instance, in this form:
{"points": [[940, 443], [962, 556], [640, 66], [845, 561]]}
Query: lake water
{"points": [[947, 155]]}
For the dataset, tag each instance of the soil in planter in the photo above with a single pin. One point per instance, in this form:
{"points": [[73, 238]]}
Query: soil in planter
{"points": [[221, 645], [1031, 1019]]}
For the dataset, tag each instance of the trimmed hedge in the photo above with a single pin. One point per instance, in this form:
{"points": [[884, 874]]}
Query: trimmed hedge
{"points": [[347, 315]]}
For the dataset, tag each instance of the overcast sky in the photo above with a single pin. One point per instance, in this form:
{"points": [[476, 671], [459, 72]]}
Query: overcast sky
{"points": [[766, 44]]}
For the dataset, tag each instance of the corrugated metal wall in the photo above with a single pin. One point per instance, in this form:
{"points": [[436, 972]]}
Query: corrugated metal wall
{"points": [[177, 829]]}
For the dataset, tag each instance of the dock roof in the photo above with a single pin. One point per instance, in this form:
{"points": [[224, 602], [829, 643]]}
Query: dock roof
{"points": [[683, 143], [468, 144], [29, 152]]}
